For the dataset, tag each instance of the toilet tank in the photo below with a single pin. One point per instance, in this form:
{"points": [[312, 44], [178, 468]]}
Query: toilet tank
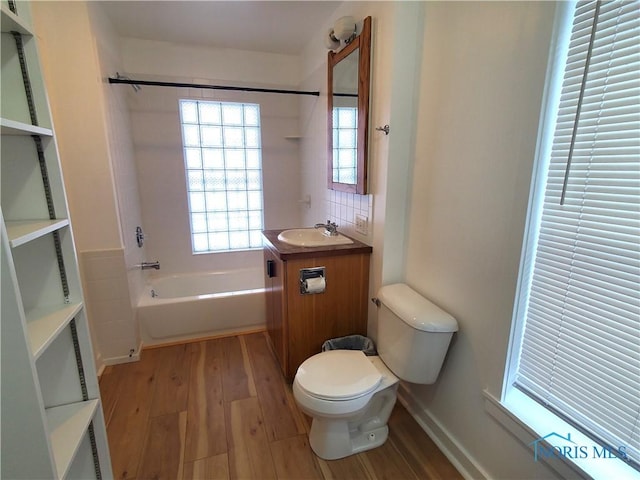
{"points": [[413, 333]]}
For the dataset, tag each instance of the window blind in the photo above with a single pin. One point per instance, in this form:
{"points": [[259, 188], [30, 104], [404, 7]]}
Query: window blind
{"points": [[580, 350]]}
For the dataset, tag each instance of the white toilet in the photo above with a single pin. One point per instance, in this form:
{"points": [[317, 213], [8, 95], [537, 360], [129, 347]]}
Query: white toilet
{"points": [[350, 396]]}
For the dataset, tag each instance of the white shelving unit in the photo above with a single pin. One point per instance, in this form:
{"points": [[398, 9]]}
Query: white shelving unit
{"points": [[52, 420], [9, 127]]}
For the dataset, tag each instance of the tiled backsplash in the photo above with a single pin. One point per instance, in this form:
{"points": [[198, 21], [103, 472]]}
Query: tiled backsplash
{"points": [[342, 208]]}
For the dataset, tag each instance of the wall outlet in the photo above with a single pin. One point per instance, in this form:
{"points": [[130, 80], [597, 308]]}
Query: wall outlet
{"points": [[362, 224]]}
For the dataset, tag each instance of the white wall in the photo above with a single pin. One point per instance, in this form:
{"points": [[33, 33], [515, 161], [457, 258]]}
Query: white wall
{"points": [[207, 63], [118, 126], [480, 96], [72, 76], [313, 143], [78, 50], [339, 207], [461, 86], [394, 71], [158, 142]]}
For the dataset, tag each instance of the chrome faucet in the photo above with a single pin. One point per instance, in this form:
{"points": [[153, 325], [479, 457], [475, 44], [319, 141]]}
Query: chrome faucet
{"points": [[149, 265], [330, 228]]}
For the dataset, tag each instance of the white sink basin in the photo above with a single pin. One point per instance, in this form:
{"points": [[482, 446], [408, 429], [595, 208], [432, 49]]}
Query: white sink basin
{"points": [[311, 237]]}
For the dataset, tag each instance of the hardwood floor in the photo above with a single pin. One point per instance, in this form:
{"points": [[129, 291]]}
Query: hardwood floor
{"points": [[221, 409]]}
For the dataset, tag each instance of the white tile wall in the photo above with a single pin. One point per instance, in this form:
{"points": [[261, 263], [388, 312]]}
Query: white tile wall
{"points": [[109, 304], [342, 208], [114, 319], [160, 165]]}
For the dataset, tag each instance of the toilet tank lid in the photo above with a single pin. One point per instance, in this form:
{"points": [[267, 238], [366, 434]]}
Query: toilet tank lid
{"points": [[416, 310]]}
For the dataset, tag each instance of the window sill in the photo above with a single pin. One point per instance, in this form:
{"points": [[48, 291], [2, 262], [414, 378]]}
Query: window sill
{"points": [[530, 422], [235, 250]]}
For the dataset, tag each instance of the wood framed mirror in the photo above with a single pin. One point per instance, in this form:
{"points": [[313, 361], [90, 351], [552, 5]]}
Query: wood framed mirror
{"points": [[348, 113]]}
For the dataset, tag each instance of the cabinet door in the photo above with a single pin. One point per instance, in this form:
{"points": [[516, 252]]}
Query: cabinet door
{"points": [[276, 325], [338, 311]]}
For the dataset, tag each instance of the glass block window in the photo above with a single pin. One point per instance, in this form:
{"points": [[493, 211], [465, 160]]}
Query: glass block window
{"points": [[223, 165], [345, 127]]}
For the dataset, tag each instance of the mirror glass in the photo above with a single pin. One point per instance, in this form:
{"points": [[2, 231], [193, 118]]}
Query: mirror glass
{"points": [[348, 114]]}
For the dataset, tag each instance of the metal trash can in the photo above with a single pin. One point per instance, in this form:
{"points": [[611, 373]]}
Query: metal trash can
{"points": [[351, 342]]}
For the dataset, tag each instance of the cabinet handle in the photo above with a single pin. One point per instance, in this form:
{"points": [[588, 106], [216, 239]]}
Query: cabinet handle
{"points": [[271, 268]]}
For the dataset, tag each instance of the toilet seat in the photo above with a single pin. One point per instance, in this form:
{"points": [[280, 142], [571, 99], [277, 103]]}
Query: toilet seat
{"points": [[338, 375]]}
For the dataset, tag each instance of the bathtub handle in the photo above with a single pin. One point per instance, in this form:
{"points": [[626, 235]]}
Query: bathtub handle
{"points": [[271, 268]]}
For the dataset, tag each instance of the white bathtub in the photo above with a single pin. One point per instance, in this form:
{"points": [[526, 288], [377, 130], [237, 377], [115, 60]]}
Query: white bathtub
{"points": [[188, 306]]}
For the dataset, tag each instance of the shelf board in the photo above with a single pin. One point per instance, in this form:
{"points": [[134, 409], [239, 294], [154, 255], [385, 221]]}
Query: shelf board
{"points": [[24, 231], [45, 324], [67, 426], [11, 127], [13, 23]]}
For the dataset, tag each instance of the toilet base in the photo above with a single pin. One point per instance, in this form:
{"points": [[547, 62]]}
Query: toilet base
{"points": [[343, 428], [331, 439]]}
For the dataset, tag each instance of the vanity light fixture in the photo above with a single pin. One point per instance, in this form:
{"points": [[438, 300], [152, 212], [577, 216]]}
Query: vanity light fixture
{"points": [[344, 30], [330, 41]]}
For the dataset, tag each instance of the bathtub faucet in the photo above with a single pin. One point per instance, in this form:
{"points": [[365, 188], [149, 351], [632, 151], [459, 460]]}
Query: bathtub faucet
{"points": [[150, 265]]}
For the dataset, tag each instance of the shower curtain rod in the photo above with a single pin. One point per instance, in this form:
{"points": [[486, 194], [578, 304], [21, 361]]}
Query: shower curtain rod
{"points": [[128, 81]]}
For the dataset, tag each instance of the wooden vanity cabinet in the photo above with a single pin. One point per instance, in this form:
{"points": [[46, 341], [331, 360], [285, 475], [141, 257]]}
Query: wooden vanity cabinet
{"points": [[298, 324], [275, 299]]}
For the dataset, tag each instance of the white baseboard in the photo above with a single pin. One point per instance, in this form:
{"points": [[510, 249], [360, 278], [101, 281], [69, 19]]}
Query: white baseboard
{"points": [[134, 357], [99, 364], [451, 449]]}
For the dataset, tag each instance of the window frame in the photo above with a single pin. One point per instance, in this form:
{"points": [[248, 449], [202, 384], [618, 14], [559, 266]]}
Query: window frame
{"points": [[523, 416]]}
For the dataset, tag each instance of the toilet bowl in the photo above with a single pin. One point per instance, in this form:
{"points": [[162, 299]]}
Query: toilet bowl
{"points": [[350, 396]]}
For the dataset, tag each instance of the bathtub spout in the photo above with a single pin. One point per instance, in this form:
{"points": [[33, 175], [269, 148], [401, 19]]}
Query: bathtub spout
{"points": [[149, 265]]}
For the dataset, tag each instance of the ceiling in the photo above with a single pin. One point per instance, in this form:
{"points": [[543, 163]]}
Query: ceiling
{"points": [[263, 26]]}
